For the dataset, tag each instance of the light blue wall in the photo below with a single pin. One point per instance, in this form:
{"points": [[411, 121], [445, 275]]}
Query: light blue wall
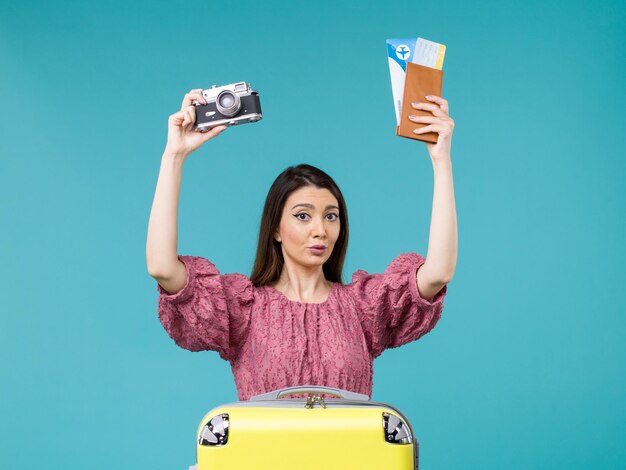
{"points": [[526, 367]]}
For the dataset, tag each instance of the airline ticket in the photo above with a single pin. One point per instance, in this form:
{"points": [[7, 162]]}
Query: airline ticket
{"points": [[417, 50]]}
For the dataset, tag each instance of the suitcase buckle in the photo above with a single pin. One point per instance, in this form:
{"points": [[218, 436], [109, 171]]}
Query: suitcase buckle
{"points": [[312, 399]]}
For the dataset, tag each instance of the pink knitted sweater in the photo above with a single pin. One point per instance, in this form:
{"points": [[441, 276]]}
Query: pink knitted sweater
{"points": [[272, 342]]}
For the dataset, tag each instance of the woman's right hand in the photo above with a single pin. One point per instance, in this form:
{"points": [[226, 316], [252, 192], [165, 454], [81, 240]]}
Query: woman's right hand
{"points": [[182, 138]]}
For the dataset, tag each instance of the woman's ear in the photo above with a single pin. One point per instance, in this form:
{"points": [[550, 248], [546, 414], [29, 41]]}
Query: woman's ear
{"points": [[277, 237]]}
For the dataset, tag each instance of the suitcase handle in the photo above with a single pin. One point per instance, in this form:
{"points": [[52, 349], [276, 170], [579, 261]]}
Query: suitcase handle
{"points": [[338, 392]]}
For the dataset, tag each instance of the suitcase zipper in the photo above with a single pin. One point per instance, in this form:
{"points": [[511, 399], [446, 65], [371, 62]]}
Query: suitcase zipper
{"points": [[312, 399]]}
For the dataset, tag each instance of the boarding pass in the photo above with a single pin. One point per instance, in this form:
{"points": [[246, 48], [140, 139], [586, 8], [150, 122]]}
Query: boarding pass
{"points": [[416, 50]]}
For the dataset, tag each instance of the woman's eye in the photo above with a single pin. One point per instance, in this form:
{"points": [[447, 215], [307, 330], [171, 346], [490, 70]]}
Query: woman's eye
{"points": [[304, 216]]}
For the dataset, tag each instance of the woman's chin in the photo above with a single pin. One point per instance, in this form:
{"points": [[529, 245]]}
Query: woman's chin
{"points": [[314, 260]]}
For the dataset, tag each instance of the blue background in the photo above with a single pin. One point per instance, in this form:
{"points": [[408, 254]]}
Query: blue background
{"points": [[525, 368]]}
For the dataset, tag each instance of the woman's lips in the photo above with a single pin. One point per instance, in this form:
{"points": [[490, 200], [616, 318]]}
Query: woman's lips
{"points": [[317, 250]]}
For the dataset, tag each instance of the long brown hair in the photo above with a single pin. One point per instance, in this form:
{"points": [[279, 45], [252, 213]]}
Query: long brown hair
{"points": [[269, 256]]}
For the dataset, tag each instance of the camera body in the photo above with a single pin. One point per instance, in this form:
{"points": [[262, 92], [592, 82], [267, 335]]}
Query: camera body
{"points": [[227, 105]]}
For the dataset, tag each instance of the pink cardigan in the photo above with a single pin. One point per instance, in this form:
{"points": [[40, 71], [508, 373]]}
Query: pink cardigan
{"points": [[272, 342]]}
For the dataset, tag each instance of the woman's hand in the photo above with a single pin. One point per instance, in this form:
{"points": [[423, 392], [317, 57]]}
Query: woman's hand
{"points": [[182, 138], [439, 122]]}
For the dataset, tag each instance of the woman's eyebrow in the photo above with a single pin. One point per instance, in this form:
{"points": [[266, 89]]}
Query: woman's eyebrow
{"points": [[311, 206]]}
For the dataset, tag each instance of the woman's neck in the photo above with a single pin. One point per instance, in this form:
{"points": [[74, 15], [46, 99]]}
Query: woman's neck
{"points": [[303, 284]]}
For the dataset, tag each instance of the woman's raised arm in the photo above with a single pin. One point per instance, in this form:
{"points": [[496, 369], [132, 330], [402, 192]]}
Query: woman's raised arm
{"points": [[443, 238], [162, 241]]}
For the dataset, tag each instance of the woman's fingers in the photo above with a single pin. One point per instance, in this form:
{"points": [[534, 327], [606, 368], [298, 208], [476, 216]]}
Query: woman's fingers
{"points": [[176, 119], [183, 118], [430, 128], [425, 119], [439, 126], [443, 104], [214, 132], [182, 136], [195, 94], [438, 106], [190, 117], [433, 108], [440, 122], [186, 120]]}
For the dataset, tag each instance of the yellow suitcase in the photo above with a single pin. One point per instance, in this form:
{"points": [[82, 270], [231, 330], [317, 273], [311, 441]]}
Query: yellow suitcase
{"points": [[347, 431]]}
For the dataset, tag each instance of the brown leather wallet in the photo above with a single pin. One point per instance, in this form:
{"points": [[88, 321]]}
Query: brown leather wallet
{"points": [[419, 82]]}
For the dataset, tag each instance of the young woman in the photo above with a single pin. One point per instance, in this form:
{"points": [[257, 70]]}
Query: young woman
{"points": [[293, 321]]}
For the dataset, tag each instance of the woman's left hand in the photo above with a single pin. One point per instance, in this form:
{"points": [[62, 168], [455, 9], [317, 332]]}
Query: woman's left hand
{"points": [[440, 122]]}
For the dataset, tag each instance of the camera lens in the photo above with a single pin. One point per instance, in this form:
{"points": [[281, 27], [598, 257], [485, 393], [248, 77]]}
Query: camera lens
{"points": [[228, 103]]}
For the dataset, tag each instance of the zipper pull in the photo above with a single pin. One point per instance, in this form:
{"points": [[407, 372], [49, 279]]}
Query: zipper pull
{"points": [[311, 400]]}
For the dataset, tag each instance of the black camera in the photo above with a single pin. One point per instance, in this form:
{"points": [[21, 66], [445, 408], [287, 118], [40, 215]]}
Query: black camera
{"points": [[227, 105]]}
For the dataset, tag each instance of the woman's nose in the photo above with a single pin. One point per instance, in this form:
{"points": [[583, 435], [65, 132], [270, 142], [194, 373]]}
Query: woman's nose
{"points": [[318, 227]]}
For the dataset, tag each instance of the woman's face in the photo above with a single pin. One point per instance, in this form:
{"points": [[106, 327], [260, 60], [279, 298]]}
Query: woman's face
{"points": [[310, 218]]}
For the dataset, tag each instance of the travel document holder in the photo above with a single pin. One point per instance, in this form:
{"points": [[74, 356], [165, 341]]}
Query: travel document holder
{"points": [[419, 82]]}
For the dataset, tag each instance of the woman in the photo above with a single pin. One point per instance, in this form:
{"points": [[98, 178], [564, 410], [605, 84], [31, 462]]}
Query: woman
{"points": [[294, 322]]}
